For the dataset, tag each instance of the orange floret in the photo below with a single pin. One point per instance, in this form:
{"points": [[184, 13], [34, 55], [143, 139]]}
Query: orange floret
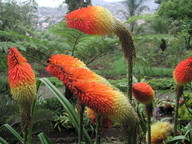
{"points": [[143, 92], [183, 71]]}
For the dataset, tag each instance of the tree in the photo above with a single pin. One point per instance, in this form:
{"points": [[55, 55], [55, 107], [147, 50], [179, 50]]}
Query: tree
{"points": [[12, 14], [159, 1], [75, 4], [180, 14], [134, 7]]}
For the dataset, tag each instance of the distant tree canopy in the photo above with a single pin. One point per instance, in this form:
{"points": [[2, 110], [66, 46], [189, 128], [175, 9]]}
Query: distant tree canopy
{"points": [[176, 9], [75, 4], [12, 14], [159, 1], [180, 13]]}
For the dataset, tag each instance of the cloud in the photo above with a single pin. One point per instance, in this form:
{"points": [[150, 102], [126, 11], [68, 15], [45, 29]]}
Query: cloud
{"points": [[49, 3]]}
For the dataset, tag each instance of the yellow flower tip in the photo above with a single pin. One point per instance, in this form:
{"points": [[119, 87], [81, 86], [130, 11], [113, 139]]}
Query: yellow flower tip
{"points": [[160, 131]]}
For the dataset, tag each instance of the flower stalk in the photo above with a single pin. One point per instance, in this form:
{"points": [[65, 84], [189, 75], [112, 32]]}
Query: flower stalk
{"points": [[26, 123], [98, 129], [182, 75], [93, 90], [81, 112], [179, 93], [149, 113], [23, 89], [96, 20], [145, 94]]}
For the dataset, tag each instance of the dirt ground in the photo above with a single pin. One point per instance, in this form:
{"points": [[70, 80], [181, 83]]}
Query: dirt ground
{"points": [[70, 136]]}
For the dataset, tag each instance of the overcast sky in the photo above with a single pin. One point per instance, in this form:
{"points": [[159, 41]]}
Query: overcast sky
{"points": [[49, 3], [55, 3]]}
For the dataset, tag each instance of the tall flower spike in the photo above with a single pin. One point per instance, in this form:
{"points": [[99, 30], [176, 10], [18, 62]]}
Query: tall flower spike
{"points": [[160, 131], [96, 20], [92, 91], [95, 92], [182, 75], [143, 92], [183, 72], [21, 78], [23, 88]]}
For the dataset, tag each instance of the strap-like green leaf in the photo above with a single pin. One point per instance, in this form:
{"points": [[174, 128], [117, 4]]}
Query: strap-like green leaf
{"points": [[14, 132], [2, 141], [44, 139], [67, 106], [176, 139]]}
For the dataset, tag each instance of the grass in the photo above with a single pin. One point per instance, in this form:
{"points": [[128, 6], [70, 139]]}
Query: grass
{"points": [[156, 72], [141, 71], [117, 69]]}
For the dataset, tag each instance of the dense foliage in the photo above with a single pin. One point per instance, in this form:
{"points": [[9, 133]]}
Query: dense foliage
{"points": [[13, 14], [161, 39]]}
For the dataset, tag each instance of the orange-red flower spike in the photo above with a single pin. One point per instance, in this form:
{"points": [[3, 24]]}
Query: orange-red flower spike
{"points": [[96, 20], [21, 78], [143, 92], [93, 20], [92, 91], [183, 72]]}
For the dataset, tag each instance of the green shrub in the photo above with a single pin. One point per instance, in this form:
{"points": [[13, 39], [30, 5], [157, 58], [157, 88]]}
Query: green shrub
{"points": [[162, 83], [185, 109], [154, 71], [51, 104], [156, 83], [120, 84]]}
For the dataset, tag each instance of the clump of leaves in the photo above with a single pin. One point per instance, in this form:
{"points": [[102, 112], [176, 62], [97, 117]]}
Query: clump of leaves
{"points": [[51, 104], [162, 83], [63, 121], [185, 110]]}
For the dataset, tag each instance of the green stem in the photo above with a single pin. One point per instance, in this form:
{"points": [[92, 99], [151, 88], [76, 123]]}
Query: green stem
{"points": [[29, 138], [149, 112], [82, 108], [25, 136], [25, 114], [128, 140], [98, 129], [29, 131], [128, 49], [129, 134], [179, 93], [130, 78], [75, 44]]}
